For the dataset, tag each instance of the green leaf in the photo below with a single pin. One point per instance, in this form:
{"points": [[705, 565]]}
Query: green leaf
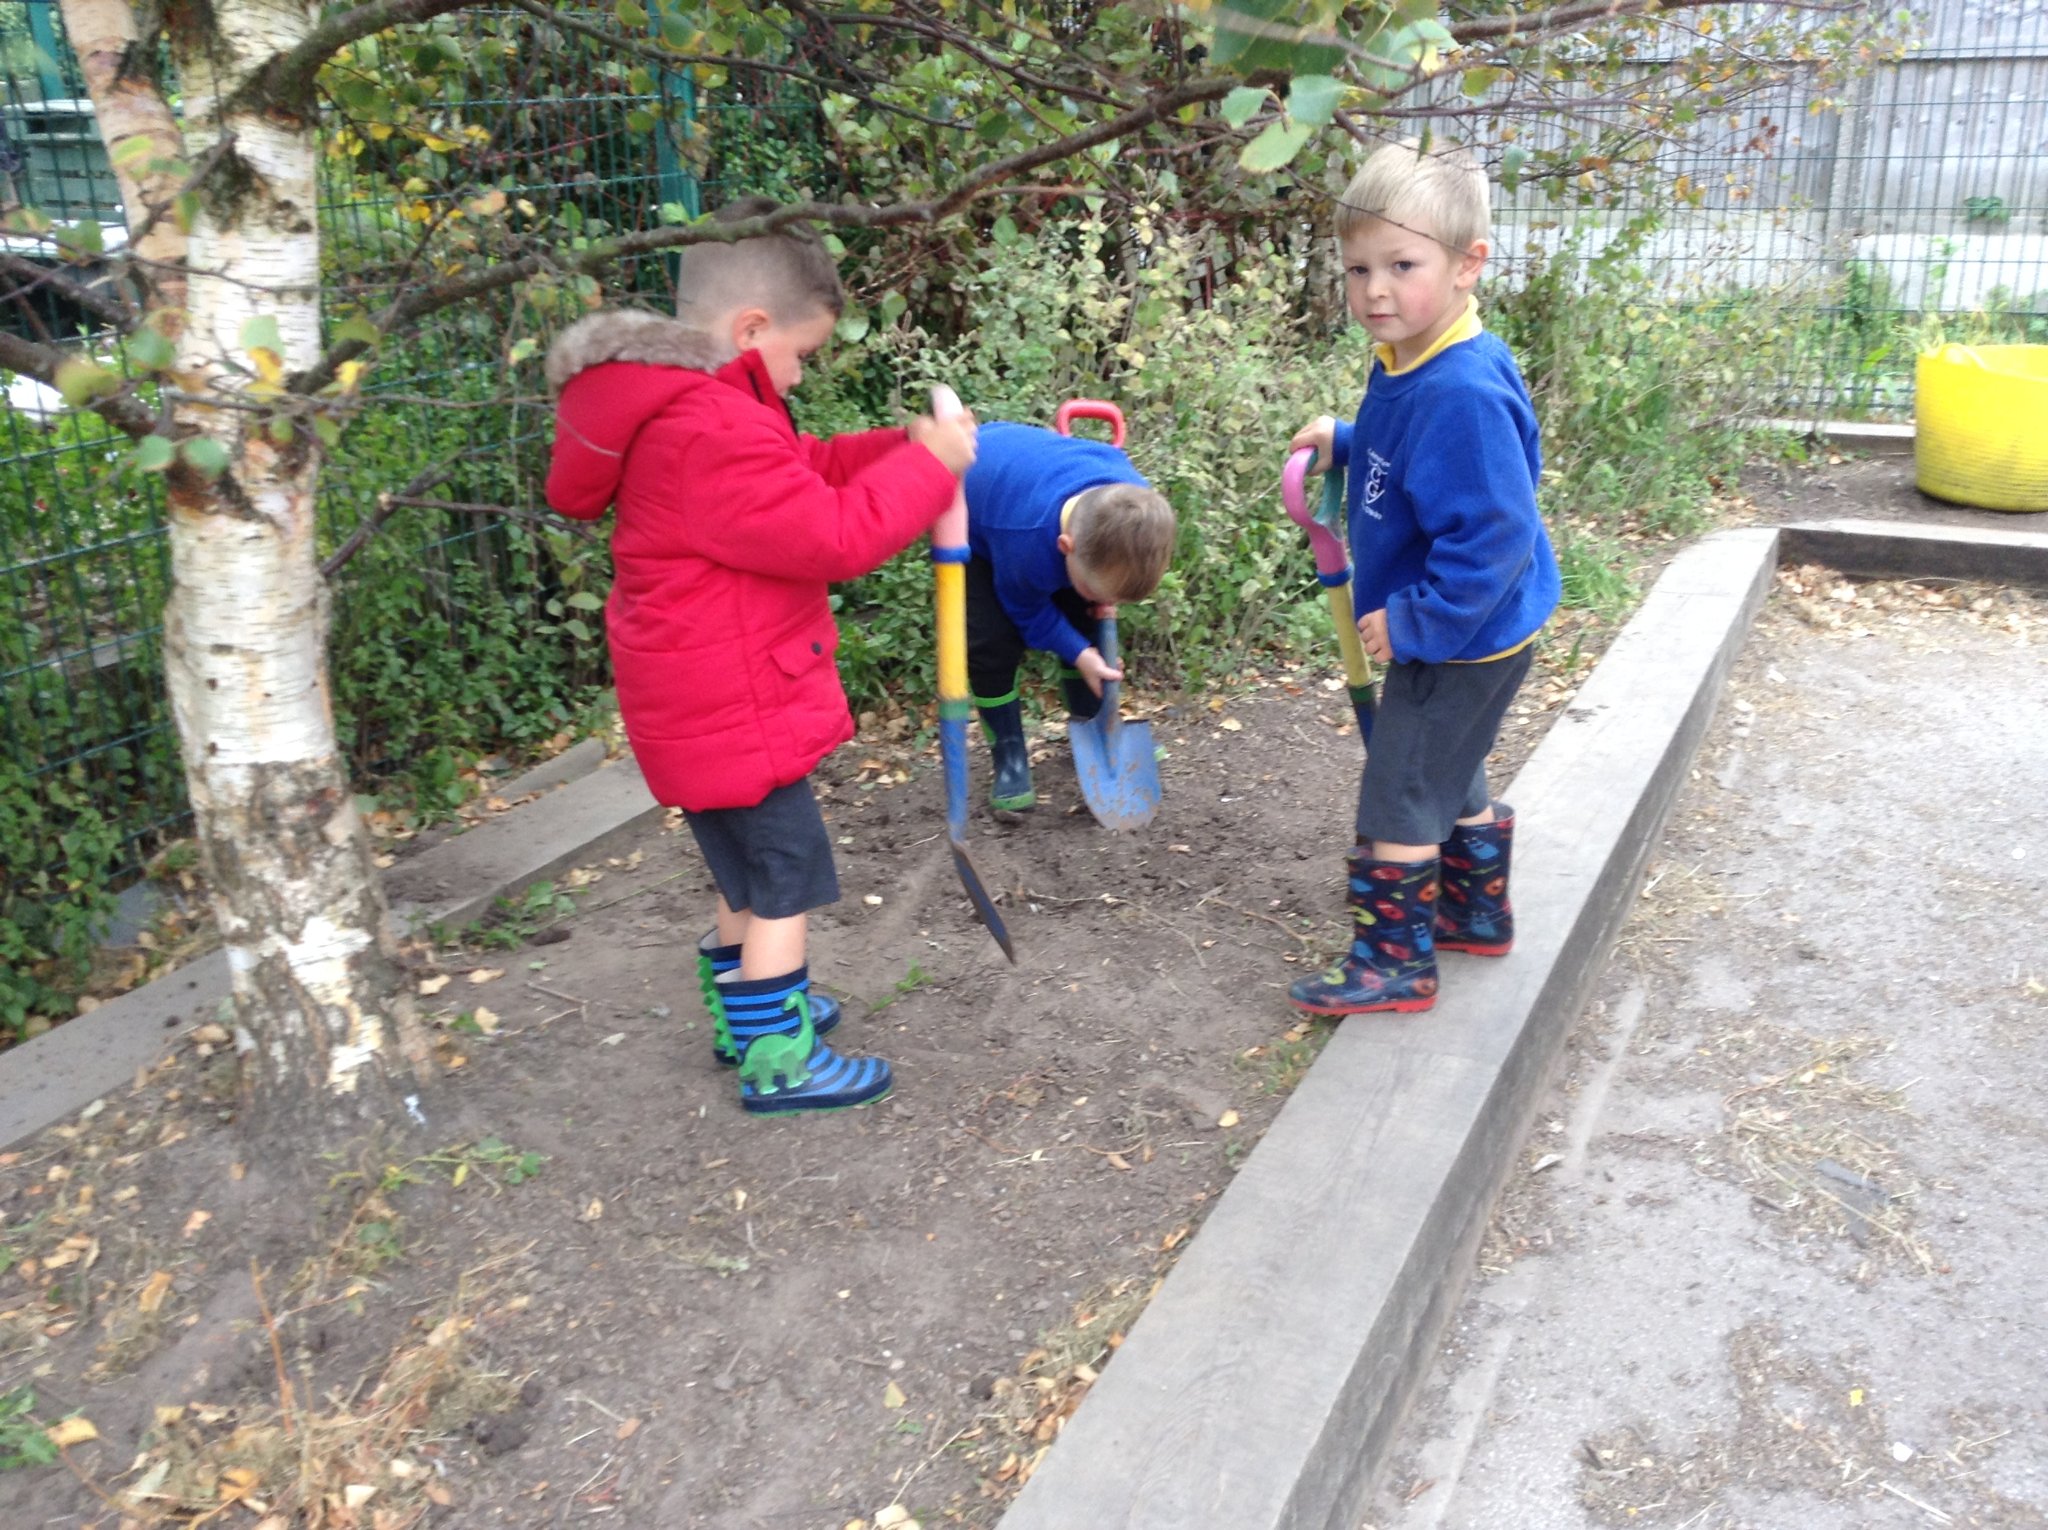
{"points": [[150, 350], [583, 600], [1313, 98], [261, 334], [82, 381], [639, 120], [1239, 105], [853, 325], [281, 430], [328, 429], [1275, 146], [522, 349], [80, 238], [632, 15], [1511, 164], [153, 454], [575, 628], [1003, 231], [893, 304], [1477, 82], [358, 328], [206, 456]]}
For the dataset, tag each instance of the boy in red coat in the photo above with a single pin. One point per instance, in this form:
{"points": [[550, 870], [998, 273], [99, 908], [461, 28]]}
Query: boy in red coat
{"points": [[730, 526]]}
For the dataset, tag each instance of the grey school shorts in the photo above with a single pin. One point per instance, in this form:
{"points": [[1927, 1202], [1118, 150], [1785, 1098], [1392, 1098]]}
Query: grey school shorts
{"points": [[773, 859], [1426, 766]]}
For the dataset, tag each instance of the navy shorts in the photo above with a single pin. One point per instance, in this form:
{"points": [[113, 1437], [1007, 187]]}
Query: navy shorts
{"points": [[774, 859], [1435, 725]]}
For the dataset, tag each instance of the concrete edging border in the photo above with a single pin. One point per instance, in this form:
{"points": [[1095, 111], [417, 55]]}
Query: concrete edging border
{"points": [[1265, 1383]]}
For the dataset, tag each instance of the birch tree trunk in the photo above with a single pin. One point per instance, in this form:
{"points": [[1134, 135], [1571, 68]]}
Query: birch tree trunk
{"points": [[326, 1030]]}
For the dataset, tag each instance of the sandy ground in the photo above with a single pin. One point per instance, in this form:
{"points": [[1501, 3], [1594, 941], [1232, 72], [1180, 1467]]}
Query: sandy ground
{"points": [[1772, 1256]]}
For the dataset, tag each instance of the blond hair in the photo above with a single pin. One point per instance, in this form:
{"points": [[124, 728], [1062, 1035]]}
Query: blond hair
{"points": [[788, 274], [1439, 191], [1123, 539]]}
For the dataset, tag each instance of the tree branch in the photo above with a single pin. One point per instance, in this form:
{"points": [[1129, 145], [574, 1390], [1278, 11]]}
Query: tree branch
{"points": [[121, 410], [33, 274], [991, 177], [287, 81]]}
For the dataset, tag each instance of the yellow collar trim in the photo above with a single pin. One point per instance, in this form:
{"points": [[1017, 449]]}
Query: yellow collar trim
{"points": [[1465, 327]]}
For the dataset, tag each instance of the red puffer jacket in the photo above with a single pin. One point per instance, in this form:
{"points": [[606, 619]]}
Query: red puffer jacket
{"points": [[730, 525]]}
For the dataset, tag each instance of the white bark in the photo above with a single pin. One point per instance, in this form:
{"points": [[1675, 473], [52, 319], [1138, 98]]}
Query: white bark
{"points": [[322, 1002]]}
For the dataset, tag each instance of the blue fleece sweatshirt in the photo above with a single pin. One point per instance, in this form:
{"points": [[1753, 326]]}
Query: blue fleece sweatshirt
{"points": [[1022, 477], [1441, 505]]}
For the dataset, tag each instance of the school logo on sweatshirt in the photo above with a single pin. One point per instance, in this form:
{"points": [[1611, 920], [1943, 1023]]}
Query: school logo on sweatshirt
{"points": [[1376, 468]]}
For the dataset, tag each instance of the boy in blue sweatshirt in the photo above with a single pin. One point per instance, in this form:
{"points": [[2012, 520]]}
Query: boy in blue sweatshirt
{"points": [[1061, 529], [1453, 577]]}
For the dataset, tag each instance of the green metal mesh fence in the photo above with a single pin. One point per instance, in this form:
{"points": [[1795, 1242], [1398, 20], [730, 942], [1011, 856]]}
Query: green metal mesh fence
{"points": [[1921, 195]]}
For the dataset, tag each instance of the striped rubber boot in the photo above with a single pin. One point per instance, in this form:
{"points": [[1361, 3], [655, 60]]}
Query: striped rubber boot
{"points": [[1003, 721], [1392, 961], [1474, 914], [784, 1069], [715, 964]]}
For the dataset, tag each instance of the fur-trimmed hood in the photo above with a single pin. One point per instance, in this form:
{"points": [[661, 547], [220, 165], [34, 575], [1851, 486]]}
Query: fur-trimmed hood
{"points": [[631, 334]]}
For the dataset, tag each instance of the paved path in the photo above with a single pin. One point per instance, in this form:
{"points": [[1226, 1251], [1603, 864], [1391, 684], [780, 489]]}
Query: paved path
{"points": [[1777, 1252]]}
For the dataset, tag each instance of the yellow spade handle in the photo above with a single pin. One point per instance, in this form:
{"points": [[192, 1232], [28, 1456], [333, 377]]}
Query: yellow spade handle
{"points": [[1356, 675], [949, 589]]}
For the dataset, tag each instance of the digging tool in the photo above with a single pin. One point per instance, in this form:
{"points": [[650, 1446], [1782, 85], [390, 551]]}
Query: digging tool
{"points": [[1114, 760], [1333, 571], [949, 587]]}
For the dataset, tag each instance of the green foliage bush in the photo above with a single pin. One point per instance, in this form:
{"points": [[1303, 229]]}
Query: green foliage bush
{"points": [[54, 903]]}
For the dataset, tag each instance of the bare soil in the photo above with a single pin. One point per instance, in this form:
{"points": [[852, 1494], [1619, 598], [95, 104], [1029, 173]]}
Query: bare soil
{"points": [[584, 1284]]}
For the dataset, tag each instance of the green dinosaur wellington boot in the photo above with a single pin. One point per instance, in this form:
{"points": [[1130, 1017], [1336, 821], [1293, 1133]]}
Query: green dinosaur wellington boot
{"points": [[717, 964], [784, 1068], [1003, 722]]}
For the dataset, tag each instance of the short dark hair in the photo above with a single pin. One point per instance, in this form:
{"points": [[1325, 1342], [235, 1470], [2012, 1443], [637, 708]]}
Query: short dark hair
{"points": [[788, 273], [1123, 538]]}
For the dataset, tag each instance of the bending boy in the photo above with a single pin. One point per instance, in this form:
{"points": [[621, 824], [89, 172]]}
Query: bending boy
{"points": [[1062, 530]]}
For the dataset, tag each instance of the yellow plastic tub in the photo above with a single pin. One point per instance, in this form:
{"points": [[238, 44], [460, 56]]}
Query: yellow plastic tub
{"points": [[1980, 433]]}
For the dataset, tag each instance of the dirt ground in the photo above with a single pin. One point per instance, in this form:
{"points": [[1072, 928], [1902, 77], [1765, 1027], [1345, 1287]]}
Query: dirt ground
{"points": [[588, 1286]]}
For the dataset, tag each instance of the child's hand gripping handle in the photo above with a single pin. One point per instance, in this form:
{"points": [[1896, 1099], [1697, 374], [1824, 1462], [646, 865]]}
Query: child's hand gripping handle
{"points": [[1333, 571]]}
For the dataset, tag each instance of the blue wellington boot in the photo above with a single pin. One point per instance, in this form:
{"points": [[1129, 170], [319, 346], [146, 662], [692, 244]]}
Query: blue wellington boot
{"points": [[1474, 914], [784, 1068], [1003, 722], [714, 964], [1392, 961]]}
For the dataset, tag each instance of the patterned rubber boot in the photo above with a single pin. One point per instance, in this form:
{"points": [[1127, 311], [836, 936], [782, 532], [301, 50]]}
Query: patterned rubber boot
{"points": [[1392, 961], [1003, 722], [1474, 914], [784, 1068], [715, 964], [1082, 703]]}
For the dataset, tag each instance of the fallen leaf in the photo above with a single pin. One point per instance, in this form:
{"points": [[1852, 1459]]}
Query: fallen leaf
{"points": [[356, 1494], [433, 1490], [1118, 1161], [1228, 1119], [433, 985], [154, 1290], [194, 1222], [892, 1396], [1231, 725], [482, 975], [71, 1431], [593, 1211], [627, 1430], [895, 1517], [237, 1483], [211, 1035], [486, 1020]]}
